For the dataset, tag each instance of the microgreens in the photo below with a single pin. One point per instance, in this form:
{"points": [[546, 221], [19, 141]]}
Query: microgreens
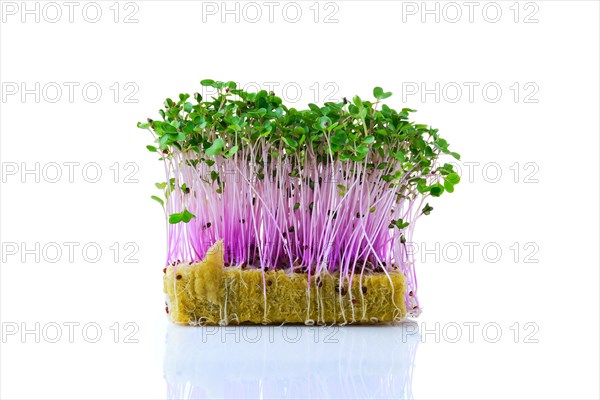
{"points": [[335, 188]]}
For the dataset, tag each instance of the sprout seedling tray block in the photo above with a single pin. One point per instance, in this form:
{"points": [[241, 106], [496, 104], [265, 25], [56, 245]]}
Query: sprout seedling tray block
{"points": [[206, 293], [279, 215]]}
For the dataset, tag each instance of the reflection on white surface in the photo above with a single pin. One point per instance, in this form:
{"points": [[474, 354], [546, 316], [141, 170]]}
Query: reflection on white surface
{"points": [[287, 362]]}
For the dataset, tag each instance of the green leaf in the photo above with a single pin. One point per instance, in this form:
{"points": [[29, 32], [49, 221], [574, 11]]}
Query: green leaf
{"points": [[339, 138], [436, 190], [278, 112], [161, 185], [449, 186], [168, 128], [290, 142], [302, 139], [314, 108], [299, 131], [400, 224], [262, 112], [215, 148], [377, 92], [231, 151], [446, 169], [144, 125], [453, 178], [207, 82], [158, 199], [369, 140], [175, 218], [187, 107], [324, 123], [152, 149], [362, 150], [187, 216], [427, 209]]}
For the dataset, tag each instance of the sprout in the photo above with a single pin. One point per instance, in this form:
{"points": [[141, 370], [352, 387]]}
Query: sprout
{"points": [[336, 188]]}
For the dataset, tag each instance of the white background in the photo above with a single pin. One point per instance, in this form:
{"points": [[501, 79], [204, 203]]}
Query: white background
{"points": [[550, 208]]}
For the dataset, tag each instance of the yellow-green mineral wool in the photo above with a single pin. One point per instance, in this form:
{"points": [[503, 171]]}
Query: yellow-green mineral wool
{"points": [[208, 293]]}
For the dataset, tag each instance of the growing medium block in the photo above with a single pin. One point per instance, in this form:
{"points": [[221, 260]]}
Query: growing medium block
{"points": [[207, 293]]}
